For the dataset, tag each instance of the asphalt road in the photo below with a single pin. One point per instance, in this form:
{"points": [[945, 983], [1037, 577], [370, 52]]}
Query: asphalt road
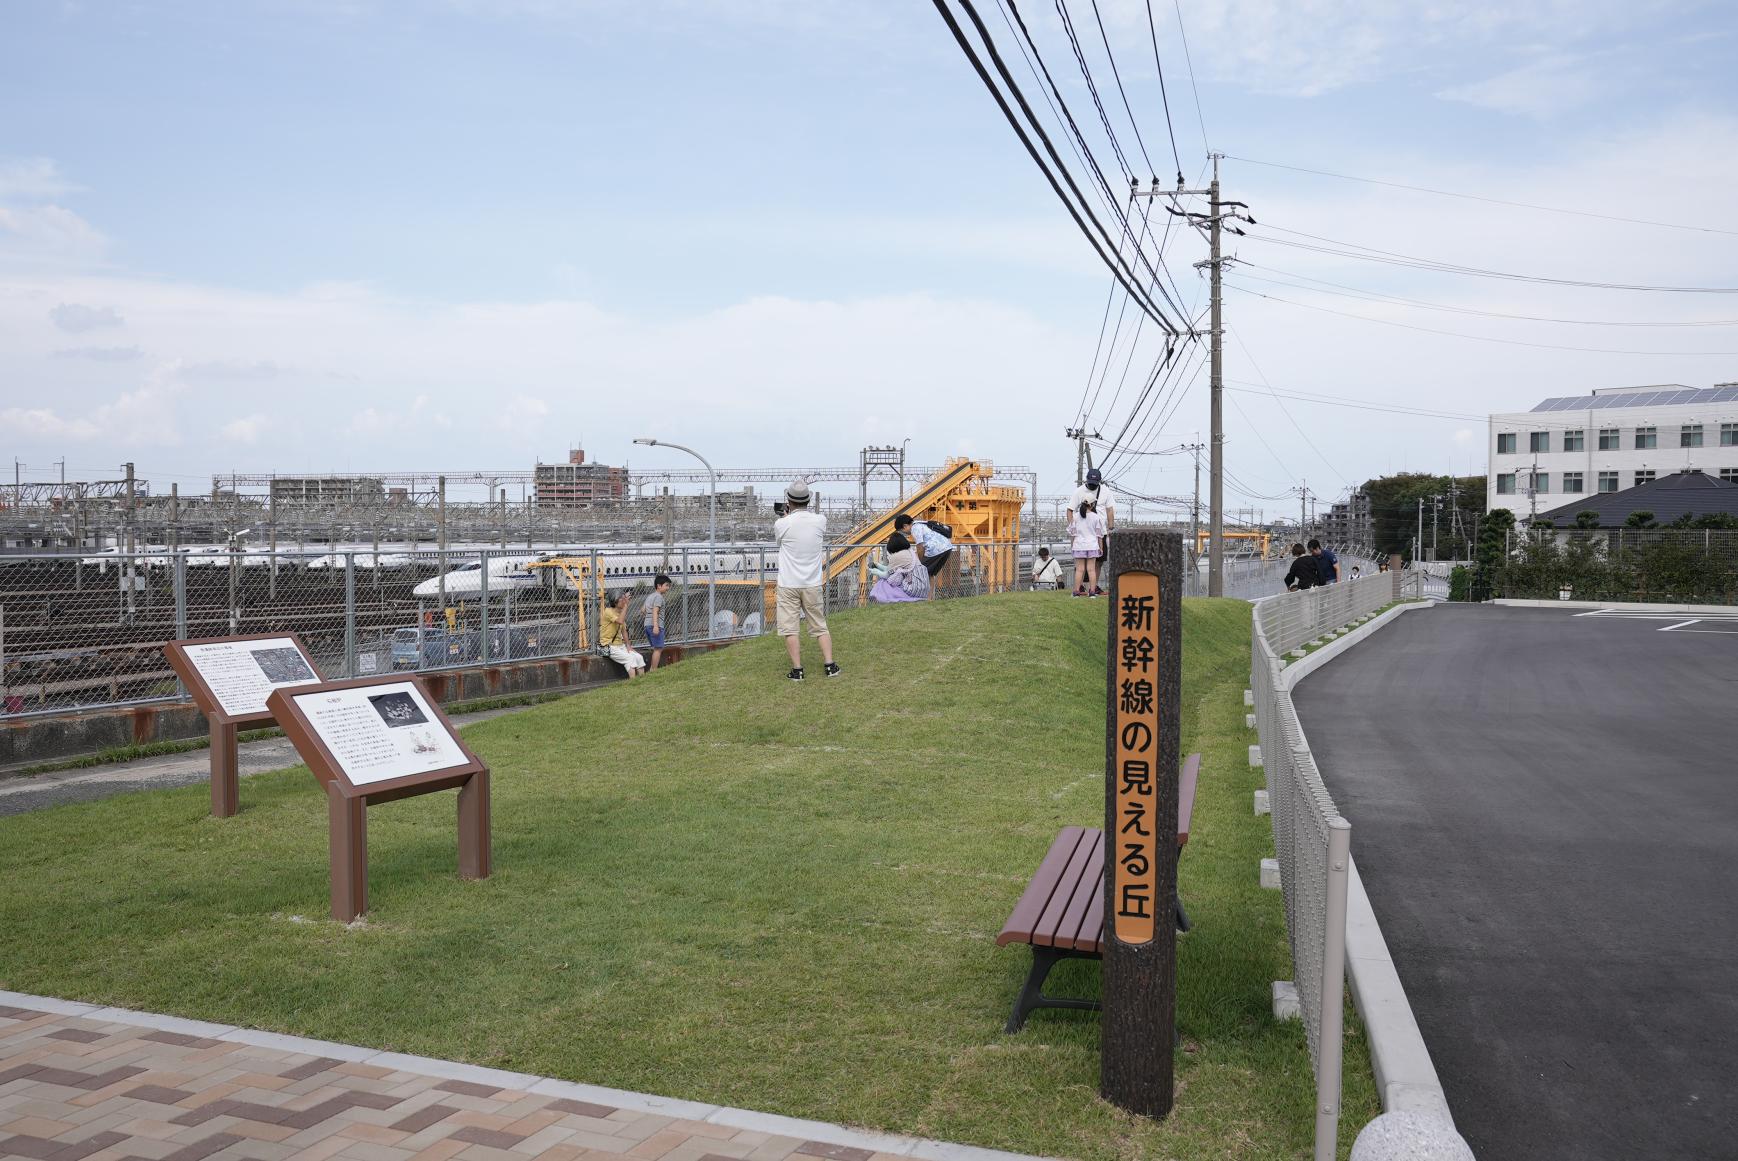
{"points": [[1545, 813], [21, 793]]}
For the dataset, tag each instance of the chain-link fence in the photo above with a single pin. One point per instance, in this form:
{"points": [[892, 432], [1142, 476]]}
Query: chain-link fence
{"points": [[88, 632], [1693, 565], [1312, 843]]}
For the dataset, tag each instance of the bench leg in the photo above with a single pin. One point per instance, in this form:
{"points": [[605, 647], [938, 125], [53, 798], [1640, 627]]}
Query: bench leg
{"points": [[1182, 916], [1032, 995]]}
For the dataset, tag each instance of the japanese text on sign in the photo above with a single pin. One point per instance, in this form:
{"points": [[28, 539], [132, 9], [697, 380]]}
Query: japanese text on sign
{"points": [[1135, 845]]}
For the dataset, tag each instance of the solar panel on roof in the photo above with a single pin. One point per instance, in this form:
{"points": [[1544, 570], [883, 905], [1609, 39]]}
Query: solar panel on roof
{"points": [[1725, 394], [1645, 398], [1682, 397]]}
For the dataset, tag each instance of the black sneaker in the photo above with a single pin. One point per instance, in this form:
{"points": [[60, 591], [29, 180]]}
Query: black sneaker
{"points": [[833, 669], [797, 673]]}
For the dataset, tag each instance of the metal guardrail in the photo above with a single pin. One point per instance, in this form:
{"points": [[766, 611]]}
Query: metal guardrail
{"points": [[1312, 843], [88, 633]]}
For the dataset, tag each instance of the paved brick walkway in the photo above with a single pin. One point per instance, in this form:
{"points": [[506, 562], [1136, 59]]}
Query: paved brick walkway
{"points": [[79, 1083]]}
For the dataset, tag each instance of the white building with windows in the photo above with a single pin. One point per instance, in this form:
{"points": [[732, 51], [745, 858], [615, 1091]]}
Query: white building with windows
{"points": [[1613, 439]]}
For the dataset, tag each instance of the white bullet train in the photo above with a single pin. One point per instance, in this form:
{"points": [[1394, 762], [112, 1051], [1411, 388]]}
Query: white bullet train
{"points": [[508, 573]]}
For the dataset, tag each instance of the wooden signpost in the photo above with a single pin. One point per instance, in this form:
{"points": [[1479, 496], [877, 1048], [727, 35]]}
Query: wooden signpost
{"points": [[374, 740], [1142, 742], [230, 679]]}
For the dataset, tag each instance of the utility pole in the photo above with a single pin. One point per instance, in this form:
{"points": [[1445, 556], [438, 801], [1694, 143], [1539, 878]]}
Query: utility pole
{"points": [[1533, 493], [1418, 552], [1303, 525], [1195, 512], [1435, 521], [1080, 435]]}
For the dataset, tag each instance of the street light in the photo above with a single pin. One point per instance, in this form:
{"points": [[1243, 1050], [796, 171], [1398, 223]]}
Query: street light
{"points": [[711, 526]]}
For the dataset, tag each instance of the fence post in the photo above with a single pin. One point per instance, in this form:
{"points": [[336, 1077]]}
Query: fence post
{"points": [[1142, 739], [350, 611], [484, 652], [1333, 991], [180, 582]]}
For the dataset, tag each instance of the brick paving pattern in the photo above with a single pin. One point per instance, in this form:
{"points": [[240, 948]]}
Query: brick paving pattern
{"points": [[74, 1088]]}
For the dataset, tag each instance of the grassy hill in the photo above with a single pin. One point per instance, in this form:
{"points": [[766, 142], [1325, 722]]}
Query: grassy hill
{"points": [[717, 885]]}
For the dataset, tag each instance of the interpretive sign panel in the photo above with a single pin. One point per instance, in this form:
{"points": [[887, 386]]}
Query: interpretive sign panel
{"points": [[233, 676], [1144, 672], [230, 679], [380, 732], [370, 741]]}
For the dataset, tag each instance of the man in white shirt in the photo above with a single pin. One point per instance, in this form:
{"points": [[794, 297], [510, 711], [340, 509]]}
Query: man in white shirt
{"points": [[802, 558], [1094, 492]]}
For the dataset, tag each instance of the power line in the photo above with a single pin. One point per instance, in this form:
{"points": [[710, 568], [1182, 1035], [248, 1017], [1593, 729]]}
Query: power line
{"points": [[1122, 92], [1114, 264], [1477, 338], [1490, 200], [1262, 375], [1092, 89], [1189, 59], [1379, 296], [1371, 254], [1153, 32]]}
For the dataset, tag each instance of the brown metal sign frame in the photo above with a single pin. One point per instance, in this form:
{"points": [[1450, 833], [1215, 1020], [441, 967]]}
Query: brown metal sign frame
{"points": [[225, 778], [347, 803]]}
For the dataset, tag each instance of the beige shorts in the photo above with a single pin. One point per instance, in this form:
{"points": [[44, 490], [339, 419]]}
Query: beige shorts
{"points": [[809, 601]]}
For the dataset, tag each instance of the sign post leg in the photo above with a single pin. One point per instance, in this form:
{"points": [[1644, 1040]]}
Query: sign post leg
{"points": [[348, 822], [1142, 743], [225, 790], [474, 853]]}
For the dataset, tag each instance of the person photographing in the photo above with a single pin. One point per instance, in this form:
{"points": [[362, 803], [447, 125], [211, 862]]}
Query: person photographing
{"points": [[802, 555]]}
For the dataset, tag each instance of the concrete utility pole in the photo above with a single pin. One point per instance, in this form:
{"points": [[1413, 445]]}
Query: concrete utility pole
{"points": [[1303, 524], [1216, 406], [1418, 552], [1435, 523], [1195, 511], [1533, 493], [1080, 435]]}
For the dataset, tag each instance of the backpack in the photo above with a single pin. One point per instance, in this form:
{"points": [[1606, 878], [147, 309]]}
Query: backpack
{"points": [[937, 526]]}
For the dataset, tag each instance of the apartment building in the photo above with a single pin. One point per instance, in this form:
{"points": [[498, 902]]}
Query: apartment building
{"points": [[577, 484], [1610, 440]]}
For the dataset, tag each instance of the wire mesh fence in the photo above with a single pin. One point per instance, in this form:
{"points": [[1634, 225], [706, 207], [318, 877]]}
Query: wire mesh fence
{"points": [[1698, 565], [81, 633], [1311, 841]]}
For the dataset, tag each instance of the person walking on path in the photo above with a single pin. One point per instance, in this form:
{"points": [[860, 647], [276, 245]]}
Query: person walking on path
{"points": [[1327, 564], [1046, 572], [613, 635], [802, 555], [1304, 572], [1086, 532], [653, 614]]}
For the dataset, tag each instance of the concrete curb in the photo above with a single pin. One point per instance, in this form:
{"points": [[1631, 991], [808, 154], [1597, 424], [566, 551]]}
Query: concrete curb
{"points": [[1614, 606], [824, 1132], [1405, 1075]]}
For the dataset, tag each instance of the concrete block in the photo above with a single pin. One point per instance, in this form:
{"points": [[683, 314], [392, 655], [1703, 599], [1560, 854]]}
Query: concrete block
{"points": [[1270, 874], [1249, 721], [1298, 653], [1316, 644], [1249, 697], [1261, 803], [1285, 1001], [1408, 1135], [1255, 756]]}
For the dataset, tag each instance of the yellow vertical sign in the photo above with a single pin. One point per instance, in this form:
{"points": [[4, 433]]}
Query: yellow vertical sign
{"points": [[1134, 848]]}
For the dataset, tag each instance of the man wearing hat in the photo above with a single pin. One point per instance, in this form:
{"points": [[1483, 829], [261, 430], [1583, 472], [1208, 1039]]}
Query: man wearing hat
{"points": [[802, 557], [1095, 493]]}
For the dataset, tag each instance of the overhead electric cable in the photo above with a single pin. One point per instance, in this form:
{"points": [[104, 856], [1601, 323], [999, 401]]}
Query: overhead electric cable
{"points": [[1371, 254], [1116, 76], [1092, 88], [1189, 60], [1379, 296], [1477, 338], [1492, 201], [1164, 97], [1115, 264]]}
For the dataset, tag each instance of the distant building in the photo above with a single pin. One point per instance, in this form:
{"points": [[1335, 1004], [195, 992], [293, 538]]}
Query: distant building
{"points": [[326, 489], [1348, 523], [577, 484], [1609, 441]]}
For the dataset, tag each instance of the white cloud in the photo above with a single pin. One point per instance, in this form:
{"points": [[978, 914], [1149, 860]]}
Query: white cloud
{"points": [[247, 429], [1553, 84], [100, 354], [523, 413], [33, 179], [76, 318]]}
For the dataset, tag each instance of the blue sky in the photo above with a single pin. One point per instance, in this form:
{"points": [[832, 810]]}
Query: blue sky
{"points": [[344, 234]]}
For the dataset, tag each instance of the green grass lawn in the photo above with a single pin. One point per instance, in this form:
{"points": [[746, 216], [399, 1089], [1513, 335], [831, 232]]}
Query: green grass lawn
{"points": [[717, 885]]}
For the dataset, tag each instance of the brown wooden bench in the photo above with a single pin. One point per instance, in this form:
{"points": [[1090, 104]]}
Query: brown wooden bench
{"points": [[1061, 912]]}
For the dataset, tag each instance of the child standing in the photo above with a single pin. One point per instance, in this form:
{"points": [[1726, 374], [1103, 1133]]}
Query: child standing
{"points": [[653, 613], [1086, 531]]}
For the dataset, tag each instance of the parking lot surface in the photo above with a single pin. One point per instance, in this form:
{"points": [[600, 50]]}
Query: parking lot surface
{"points": [[1545, 813]]}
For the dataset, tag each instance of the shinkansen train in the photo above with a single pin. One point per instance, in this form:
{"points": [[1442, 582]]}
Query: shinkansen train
{"points": [[507, 573]]}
